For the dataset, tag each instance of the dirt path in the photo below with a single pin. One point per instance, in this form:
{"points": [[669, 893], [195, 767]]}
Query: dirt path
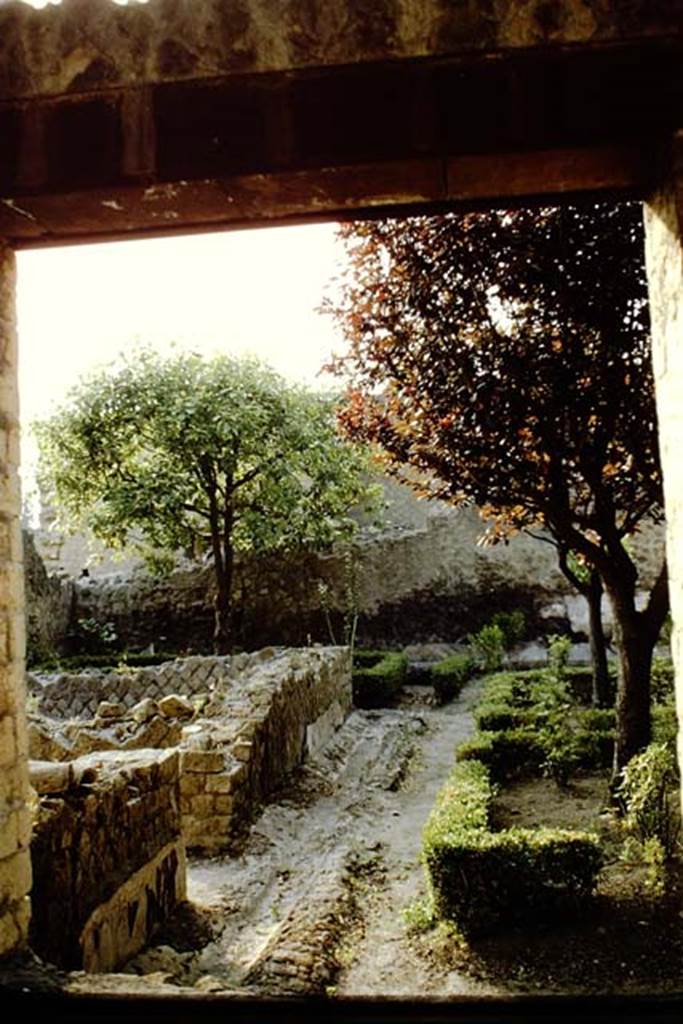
{"points": [[314, 902]]}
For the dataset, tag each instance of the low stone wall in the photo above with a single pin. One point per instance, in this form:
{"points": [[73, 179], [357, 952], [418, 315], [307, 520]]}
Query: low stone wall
{"points": [[79, 694], [252, 719], [253, 735], [107, 855]]}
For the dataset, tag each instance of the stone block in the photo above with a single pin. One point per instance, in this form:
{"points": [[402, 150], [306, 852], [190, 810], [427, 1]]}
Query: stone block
{"points": [[192, 783], [50, 777], [217, 826], [144, 709], [15, 877], [108, 709], [202, 761], [243, 750], [175, 706], [11, 937], [8, 747], [223, 804], [221, 784], [202, 805], [9, 834]]}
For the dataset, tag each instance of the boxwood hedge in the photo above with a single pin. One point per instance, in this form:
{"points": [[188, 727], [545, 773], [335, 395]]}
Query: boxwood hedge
{"points": [[377, 684], [450, 675], [481, 879]]}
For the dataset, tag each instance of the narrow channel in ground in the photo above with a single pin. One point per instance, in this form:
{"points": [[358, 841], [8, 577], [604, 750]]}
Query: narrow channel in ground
{"points": [[313, 904]]}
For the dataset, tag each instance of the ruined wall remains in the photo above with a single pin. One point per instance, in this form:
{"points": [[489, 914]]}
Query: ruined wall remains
{"points": [[251, 719], [252, 736], [422, 577], [107, 854], [48, 605], [15, 823], [664, 256]]}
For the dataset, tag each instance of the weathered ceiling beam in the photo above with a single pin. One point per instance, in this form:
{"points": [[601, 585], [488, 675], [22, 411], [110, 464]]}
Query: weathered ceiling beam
{"points": [[268, 147]]}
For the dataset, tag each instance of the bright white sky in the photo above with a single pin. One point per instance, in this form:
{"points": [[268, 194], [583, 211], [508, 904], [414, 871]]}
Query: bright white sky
{"points": [[236, 291]]}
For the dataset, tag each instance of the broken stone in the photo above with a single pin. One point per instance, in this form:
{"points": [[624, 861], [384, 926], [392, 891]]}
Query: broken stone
{"points": [[175, 706], [50, 777], [156, 732], [110, 709], [144, 709], [43, 746]]}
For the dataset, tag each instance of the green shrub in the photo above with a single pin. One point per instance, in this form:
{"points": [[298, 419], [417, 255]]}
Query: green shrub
{"points": [[559, 647], [507, 754], [488, 647], [111, 661], [646, 789], [661, 680], [529, 723], [496, 717], [480, 879], [364, 657], [450, 675], [94, 637], [665, 722], [378, 685], [513, 625]]}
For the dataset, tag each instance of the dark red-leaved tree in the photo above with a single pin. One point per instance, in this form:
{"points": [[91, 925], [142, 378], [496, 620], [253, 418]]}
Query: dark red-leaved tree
{"points": [[506, 355]]}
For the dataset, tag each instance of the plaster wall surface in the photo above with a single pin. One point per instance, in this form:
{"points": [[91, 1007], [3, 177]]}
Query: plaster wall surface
{"points": [[15, 821], [664, 253]]}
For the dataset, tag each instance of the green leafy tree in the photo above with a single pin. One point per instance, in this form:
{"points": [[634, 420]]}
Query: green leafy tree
{"points": [[205, 455], [506, 355]]}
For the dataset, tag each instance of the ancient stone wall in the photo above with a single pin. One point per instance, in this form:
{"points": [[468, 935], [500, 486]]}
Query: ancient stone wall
{"points": [[15, 823], [252, 719], [423, 576], [664, 256], [78, 694], [108, 859], [48, 605], [252, 736]]}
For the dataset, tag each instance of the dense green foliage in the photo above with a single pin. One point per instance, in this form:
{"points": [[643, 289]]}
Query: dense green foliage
{"points": [[378, 684], [488, 647], [216, 456], [450, 675], [481, 879], [649, 791], [530, 722]]}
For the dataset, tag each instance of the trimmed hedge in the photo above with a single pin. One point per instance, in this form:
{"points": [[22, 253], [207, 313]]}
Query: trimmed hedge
{"points": [[379, 684], [77, 661], [450, 675], [481, 879], [506, 753], [364, 657], [527, 722]]}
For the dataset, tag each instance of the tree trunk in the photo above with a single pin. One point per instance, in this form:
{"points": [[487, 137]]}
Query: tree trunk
{"points": [[602, 688], [635, 635], [222, 605], [633, 732]]}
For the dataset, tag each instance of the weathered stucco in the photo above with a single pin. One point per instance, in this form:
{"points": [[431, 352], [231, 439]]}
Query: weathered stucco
{"points": [[85, 45], [15, 821], [664, 253]]}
